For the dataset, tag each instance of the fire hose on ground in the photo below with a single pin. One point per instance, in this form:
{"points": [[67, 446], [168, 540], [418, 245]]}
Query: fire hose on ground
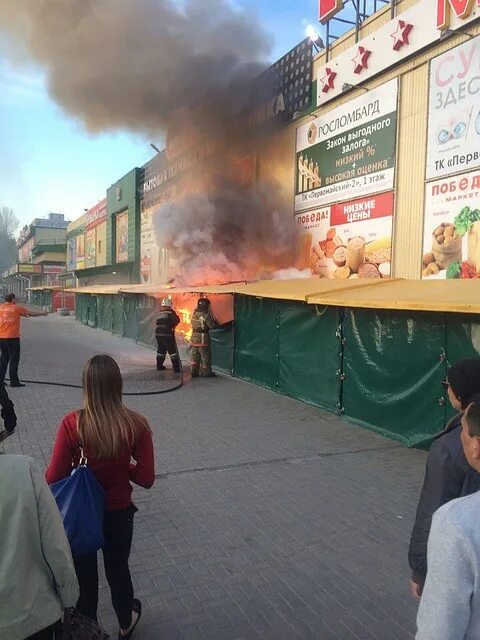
{"points": [[130, 393]]}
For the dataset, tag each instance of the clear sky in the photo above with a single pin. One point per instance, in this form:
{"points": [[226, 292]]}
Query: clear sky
{"points": [[49, 163]]}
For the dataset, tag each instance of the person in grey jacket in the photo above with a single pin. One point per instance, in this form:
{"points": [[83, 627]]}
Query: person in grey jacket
{"points": [[448, 474], [450, 604], [38, 580]]}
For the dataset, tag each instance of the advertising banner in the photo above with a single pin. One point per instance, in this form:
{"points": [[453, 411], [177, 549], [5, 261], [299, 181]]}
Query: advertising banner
{"points": [[30, 268], [53, 269], [348, 240], [71, 254], [121, 227], [451, 243], [80, 249], [90, 248], [96, 215], [454, 111], [348, 152]]}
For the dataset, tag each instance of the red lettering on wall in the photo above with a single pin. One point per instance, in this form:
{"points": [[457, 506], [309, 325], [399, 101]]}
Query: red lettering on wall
{"points": [[379, 206], [328, 8], [461, 8]]}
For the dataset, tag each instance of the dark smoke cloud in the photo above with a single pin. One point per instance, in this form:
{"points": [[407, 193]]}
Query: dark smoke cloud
{"points": [[130, 64], [228, 235]]}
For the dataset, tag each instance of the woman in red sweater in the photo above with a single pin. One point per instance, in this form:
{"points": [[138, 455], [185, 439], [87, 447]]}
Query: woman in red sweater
{"points": [[111, 435]]}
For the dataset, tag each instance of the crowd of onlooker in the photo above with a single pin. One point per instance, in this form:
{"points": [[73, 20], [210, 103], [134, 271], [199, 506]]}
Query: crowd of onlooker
{"points": [[41, 578], [49, 581]]}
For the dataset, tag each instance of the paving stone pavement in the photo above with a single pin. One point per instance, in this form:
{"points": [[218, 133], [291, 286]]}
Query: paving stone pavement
{"points": [[269, 519]]}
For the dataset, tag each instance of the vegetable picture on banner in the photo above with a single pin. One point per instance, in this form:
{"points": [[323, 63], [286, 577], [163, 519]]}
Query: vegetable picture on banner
{"points": [[454, 111], [121, 228], [90, 248], [451, 244], [348, 240], [348, 152]]}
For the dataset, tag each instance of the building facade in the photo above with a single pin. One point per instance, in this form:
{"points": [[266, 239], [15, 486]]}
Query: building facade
{"points": [[386, 176], [42, 252]]}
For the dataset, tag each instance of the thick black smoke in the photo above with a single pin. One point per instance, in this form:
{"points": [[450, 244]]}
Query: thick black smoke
{"points": [[149, 66], [130, 64], [230, 235]]}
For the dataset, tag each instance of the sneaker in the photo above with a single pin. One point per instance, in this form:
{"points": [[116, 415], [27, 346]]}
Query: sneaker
{"points": [[17, 384]]}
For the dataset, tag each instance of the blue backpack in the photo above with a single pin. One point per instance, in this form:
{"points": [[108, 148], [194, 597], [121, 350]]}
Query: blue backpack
{"points": [[81, 501]]}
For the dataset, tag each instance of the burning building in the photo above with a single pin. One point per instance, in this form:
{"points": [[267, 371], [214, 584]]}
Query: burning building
{"points": [[217, 201]]}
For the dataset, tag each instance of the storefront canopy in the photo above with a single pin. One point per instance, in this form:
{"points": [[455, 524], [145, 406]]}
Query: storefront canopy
{"points": [[460, 296], [159, 290], [294, 289], [99, 289], [456, 296], [300, 288]]}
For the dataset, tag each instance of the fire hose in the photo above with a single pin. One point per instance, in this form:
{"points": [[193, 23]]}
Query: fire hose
{"points": [[131, 393]]}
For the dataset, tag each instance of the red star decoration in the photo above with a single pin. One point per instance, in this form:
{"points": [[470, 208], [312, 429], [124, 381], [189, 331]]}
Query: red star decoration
{"points": [[400, 37], [328, 80], [360, 61]]}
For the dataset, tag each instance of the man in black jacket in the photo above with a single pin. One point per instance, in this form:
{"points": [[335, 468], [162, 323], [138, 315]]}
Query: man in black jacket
{"points": [[7, 412], [448, 474], [165, 334]]}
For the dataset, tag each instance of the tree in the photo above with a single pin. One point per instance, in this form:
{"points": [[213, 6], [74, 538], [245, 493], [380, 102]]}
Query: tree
{"points": [[8, 248]]}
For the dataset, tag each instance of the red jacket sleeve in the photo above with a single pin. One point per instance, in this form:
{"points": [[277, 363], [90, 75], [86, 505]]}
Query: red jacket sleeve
{"points": [[143, 473], [63, 452]]}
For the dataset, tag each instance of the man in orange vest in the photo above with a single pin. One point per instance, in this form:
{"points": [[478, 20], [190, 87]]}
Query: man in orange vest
{"points": [[10, 314]]}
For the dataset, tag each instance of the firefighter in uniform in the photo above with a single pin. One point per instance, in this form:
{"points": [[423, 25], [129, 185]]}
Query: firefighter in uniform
{"points": [[203, 321], [165, 334]]}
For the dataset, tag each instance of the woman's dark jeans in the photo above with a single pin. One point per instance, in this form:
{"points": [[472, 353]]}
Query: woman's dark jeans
{"points": [[118, 532]]}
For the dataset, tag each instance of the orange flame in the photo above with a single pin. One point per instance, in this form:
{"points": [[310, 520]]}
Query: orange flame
{"points": [[185, 326]]}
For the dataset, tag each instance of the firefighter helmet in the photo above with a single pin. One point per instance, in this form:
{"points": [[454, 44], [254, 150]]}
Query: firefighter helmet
{"points": [[203, 304], [167, 302]]}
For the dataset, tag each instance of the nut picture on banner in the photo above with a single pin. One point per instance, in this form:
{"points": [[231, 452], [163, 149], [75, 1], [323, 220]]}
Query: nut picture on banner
{"points": [[348, 240]]}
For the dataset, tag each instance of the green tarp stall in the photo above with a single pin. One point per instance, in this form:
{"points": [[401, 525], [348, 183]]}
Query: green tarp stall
{"points": [[41, 297], [256, 340], [462, 335], [147, 311], [92, 311], [82, 307], [104, 312], [223, 348], [118, 326], [463, 340], [130, 323], [393, 367], [289, 347], [36, 298], [379, 363]]}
